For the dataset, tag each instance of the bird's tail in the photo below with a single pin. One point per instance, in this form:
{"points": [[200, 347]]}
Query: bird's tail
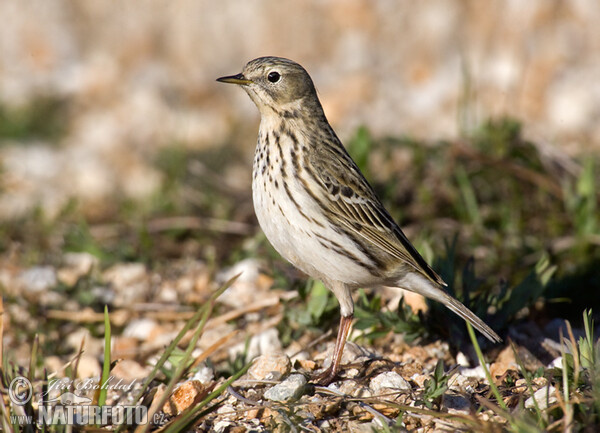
{"points": [[423, 286]]}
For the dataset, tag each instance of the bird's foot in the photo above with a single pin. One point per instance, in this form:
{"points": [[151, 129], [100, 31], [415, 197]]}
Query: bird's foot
{"points": [[325, 378]]}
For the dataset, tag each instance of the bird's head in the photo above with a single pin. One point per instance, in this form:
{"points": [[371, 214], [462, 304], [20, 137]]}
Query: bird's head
{"points": [[276, 85]]}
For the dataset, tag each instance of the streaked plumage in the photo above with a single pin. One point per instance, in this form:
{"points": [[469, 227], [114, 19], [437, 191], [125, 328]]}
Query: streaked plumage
{"points": [[316, 207]]}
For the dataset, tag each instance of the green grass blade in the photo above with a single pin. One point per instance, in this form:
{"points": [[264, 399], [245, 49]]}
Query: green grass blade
{"points": [[186, 419], [202, 315], [488, 375]]}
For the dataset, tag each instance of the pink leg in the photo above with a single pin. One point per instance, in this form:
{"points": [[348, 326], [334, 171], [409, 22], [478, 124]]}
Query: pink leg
{"points": [[329, 375]]}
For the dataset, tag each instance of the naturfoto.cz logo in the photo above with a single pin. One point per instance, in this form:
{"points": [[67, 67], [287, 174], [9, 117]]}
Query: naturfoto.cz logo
{"points": [[62, 404]]}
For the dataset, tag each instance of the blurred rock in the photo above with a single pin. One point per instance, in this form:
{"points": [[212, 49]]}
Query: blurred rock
{"points": [[419, 379], [504, 361], [271, 366], [290, 389], [248, 288], [54, 365], [129, 370], [476, 372], [306, 364], [37, 279], [88, 367], [544, 397], [130, 282], [204, 375], [125, 347], [76, 265], [364, 427], [263, 343], [352, 388], [455, 403], [352, 353], [91, 345], [140, 329]]}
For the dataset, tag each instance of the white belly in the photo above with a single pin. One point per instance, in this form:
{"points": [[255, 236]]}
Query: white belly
{"points": [[298, 239]]}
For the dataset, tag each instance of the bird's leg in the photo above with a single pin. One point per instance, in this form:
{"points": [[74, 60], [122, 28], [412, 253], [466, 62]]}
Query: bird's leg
{"points": [[329, 375]]}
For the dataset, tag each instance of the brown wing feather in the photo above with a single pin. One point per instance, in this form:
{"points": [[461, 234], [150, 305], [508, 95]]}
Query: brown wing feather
{"points": [[354, 205]]}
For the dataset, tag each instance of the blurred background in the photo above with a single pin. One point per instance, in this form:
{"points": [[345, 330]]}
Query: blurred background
{"points": [[125, 167], [91, 92]]}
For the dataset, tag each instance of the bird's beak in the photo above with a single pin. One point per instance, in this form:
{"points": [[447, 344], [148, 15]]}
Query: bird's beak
{"points": [[235, 79]]}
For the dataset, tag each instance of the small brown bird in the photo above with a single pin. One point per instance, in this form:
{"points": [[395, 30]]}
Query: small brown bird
{"points": [[317, 209]]}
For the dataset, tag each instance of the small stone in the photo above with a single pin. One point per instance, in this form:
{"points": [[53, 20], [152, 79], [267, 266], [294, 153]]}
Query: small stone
{"points": [[352, 353], [223, 426], [88, 367], [476, 372], [245, 289], [504, 361], [129, 370], [290, 389], [140, 328], [130, 282], [545, 397], [387, 381], [272, 366], [363, 427], [419, 379], [167, 294], [38, 279], [91, 346], [265, 342], [53, 364], [462, 383], [187, 394], [76, 265], [556, 363], [352, 388], [306, 364], [462, 360], [205, 374], [456, 403], [125, 347]]}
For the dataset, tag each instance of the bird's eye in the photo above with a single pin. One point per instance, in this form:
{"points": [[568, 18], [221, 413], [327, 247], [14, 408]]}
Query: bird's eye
{"points": [[274, 77]]}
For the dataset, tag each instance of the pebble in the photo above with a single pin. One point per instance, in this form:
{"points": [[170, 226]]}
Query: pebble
{"points": [[140, 328], [129, 281], [271, 366], [352, 388], [473, 372], [38, 279], [204, 374], [183, 397], [88, 367], [265, 342], [390, 380], [364, 427], [545, 397], [244, 290], [290, 389], [76, 265], [352, 353], [130, 370], [419, 379], [456, 403]]}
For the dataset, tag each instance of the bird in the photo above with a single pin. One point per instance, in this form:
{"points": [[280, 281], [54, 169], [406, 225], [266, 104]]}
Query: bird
{"points": [[317, 209]]}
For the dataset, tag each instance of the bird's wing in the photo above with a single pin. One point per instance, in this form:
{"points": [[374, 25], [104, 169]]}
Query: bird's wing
{"points": [[352, 204]]}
